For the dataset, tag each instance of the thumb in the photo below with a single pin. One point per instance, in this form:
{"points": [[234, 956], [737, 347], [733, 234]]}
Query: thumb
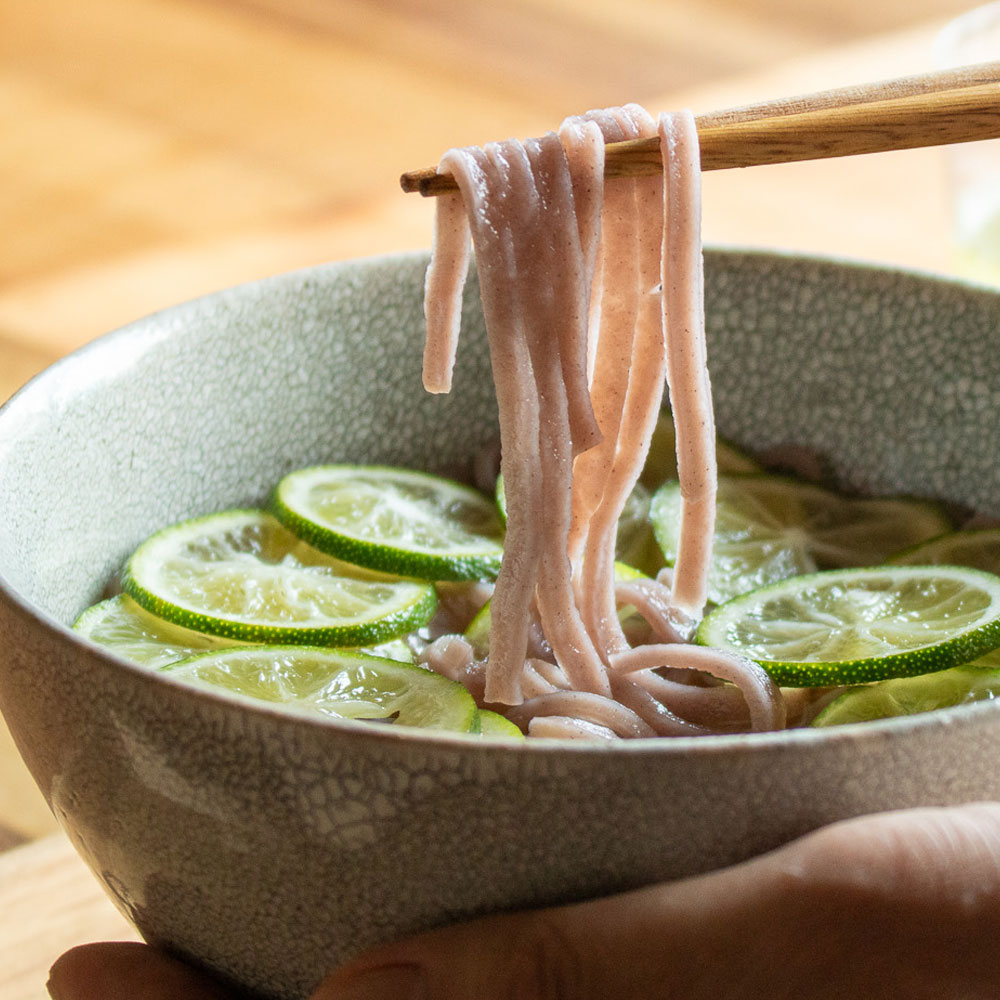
{"points": [[646, 944], [902, 905]]}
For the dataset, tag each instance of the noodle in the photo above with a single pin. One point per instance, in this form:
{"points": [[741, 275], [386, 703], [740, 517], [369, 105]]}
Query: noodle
{"points": [[562, 727], [687, 367], [550, 279], [476, 175], [443, 292], [642, 387], [767, 708], [592, 302], [651, 600], [595, 708]]}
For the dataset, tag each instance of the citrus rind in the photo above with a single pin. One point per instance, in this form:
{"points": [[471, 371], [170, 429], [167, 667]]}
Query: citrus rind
{"points": [[241, 575], [881, 622], [914, 695], [410, 523]]}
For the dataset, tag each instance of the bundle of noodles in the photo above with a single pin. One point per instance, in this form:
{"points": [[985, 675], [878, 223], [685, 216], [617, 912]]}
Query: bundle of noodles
{"points": [[592, 301]]}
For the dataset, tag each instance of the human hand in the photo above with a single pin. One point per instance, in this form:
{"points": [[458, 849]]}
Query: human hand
{"points": [[902, 905]]}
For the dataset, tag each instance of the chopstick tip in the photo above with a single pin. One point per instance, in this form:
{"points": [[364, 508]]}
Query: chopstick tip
{"points": [[409, 182], [426, 182]]}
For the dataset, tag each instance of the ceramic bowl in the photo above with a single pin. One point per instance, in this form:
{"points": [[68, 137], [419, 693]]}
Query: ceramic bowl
{"points": [[270, 847]]}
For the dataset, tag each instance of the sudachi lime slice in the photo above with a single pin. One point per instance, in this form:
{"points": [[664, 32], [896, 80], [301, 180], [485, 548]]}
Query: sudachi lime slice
{"points": [[395, 520], [978, 548], [241, 575], [477, 633], [119, 624], [338, 683], [489, 723], [500, 498], [770, 527], [394, 649], [978, 681], [852, 626]]}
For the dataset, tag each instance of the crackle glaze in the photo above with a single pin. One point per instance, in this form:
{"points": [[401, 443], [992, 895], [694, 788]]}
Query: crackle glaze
{"points": [[270, 847]]}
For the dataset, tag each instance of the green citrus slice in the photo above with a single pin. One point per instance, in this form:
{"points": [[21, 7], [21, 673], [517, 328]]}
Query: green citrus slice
{"points": [[394, 649], [499, 498], [338, 683], [491, 724], [978, 681], [121, 625], [976, 547], [769, 528], [661, 460], [241, 575], [853, 626], [395, 520], [477, 633]]}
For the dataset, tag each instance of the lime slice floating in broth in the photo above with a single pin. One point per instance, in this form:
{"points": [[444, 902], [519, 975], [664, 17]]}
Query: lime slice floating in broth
{"points": [[394, 520], [122, 626], [336, 683], [978, 681], [477, 632], [978, 548], [769, 528], [500, 498], [394, 649], [853, 626], [241, 575], [491, 724]]}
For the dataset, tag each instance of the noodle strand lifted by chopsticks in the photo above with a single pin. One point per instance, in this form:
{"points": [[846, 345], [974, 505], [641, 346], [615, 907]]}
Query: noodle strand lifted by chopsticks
{"points": [[443, 292], [592, 299], [687, 366], [477, 175], [643, 389]]}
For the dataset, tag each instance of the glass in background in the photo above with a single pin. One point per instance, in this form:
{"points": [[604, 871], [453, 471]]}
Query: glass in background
{"points": [[974, 168]]}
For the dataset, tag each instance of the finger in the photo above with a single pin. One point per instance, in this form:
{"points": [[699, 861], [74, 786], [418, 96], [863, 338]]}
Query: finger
{"points": [[126, 970], [854, 910], [901, 855]]}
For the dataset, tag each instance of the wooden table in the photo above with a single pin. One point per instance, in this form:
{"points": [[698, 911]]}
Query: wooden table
{"points": [[132, 180]]}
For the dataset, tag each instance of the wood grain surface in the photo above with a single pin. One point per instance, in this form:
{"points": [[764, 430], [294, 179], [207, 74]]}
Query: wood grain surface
{"points": [[49, 902], [158, 149]]}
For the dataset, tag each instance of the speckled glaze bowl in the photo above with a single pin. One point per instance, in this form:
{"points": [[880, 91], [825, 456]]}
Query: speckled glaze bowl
{"points": [[270, 847]]}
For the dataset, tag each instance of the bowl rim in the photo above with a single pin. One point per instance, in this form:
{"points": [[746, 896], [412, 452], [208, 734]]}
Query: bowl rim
{"points": [[150, 329]]}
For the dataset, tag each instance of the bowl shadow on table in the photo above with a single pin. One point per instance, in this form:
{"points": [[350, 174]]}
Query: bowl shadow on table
{"points": [[269, 846]]}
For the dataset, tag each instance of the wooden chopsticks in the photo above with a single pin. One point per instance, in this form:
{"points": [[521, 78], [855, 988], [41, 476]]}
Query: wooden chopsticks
{"points": [[931, 109]]}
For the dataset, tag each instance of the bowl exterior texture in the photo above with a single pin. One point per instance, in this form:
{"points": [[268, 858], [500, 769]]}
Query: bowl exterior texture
{"points": [[270, 847]]}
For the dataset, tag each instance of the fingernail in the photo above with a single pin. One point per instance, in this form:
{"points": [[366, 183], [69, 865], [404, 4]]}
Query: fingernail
{"points": [[390, 982]]}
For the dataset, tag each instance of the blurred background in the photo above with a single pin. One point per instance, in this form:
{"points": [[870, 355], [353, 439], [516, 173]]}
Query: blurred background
{"points": [[155, 150]]}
